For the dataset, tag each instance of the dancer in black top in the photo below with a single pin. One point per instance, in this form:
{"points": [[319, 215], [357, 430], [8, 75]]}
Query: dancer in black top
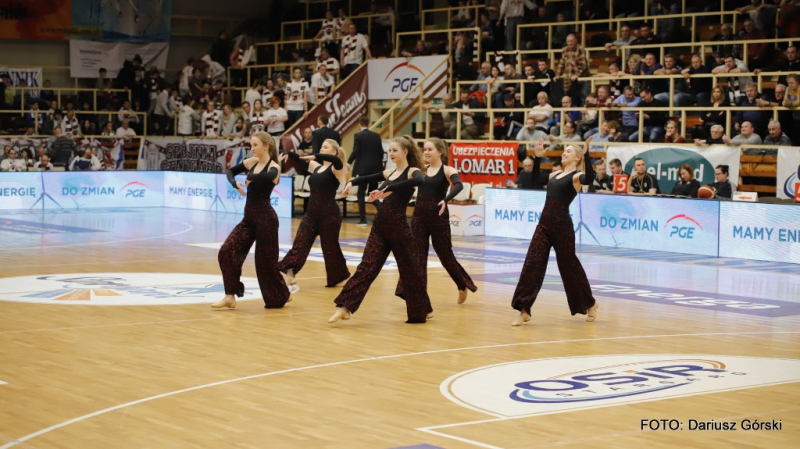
{"points": [[323, 219], [556, 230], [259, 225], [390, 233], [431, 220]]}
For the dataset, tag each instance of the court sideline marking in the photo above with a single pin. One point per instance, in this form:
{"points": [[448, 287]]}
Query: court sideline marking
{"points": [[368, 359]]}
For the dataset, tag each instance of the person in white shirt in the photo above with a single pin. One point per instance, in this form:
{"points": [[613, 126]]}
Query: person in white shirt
{"points": [[186, 74], [216, 72], [254, 93], [70, 125], [354, 49], [328, 61], [126, 113], [13, 163], [322, 85], [87, 162], [228, 121], [162, 113], [43, 164], [542, 113], [258, 119], [125, 131], [186, 117], [297, 99], [328, 30], [276, 118], [209, 123], [268, 93]]}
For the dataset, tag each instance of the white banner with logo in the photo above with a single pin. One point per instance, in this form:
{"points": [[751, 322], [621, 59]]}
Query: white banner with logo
{"points": [[663, 161], [788, 172], [196, 155], [87, 57], [390, 79]]}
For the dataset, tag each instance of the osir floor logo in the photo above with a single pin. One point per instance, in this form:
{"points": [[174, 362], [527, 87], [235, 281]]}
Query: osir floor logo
{"points": [[546, 386], [119, 289]]}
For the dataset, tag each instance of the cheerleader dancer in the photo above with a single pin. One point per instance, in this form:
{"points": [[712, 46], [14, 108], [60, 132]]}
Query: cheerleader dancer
{"points": [[324, 219], [390, 233], [259, 225], [556, 230], [431, 218]]}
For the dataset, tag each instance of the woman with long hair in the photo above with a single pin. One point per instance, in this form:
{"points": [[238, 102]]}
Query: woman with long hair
{"points": [[323, 219], [556, 230], [390, 233], [259, 225], [671, 134], [431, 220]]}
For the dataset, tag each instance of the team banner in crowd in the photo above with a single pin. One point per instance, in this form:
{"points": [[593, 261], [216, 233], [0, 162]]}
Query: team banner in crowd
{"points": [[663, 162], [788, 172], [32, 77], [345, 107], [39, 19], [392, 78], [490, 162], [196, 155], [760, 231], [123, 20], [108, 150], [87, 57]]}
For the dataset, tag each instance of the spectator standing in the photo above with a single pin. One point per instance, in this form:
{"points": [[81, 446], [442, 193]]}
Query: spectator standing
{"points": [[354, 50], [573, 64], [297, 100], [276, 118], [513, 11], [323, 132], [210, 121], [367, 159], [322, 85], [187, 116]]}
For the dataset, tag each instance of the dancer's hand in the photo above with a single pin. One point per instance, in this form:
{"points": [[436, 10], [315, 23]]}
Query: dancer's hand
{"points": [[442, 206], [539, 150], [284, 157], [347, 188], [239, 188], [586, 144], [375, 195]]}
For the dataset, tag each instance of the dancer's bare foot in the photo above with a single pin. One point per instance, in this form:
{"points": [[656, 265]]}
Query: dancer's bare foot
{"points": [[430, 315], [341, 314], [591, 314], [462, 296], [290, 280], [228, 301], [522, 318]]}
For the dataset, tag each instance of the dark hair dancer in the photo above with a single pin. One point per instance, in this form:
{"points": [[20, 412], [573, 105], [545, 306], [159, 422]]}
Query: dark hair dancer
{"points": [[323, 219], [259, 225], [431, 220], [390, 233], [555, 229]]}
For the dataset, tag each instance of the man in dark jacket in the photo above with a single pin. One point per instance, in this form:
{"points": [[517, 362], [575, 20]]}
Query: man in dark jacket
{"points": [[471, 122], [509, 123], [654, 121], [368, 157], [321, 133]]}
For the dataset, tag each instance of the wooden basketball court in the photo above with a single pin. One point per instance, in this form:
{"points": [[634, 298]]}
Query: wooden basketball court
{"points": [[81, 372]]}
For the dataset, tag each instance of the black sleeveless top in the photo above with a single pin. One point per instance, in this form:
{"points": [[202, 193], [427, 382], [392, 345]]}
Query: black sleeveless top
{"points": [[401, 195], [434, 189], [323, 180], [260, 189], [562, 188]]}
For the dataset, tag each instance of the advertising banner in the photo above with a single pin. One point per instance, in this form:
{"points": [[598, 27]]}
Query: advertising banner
{"points": [[659, 224], [515, 213], [788, 172], [40, 19], [87, 57], [93, 190], [229, 199], [123, 20], [31, 75], [20, 190], [760, 231], [392, 78], [345, 107], [196, 155], [663, 161], [490, 162]]}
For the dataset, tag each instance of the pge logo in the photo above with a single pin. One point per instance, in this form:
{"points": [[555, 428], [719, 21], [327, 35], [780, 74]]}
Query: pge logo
{"points": [[135, 189], [686, 231], [789, 185], [455, 221], [407, 83], [475, 221]]}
